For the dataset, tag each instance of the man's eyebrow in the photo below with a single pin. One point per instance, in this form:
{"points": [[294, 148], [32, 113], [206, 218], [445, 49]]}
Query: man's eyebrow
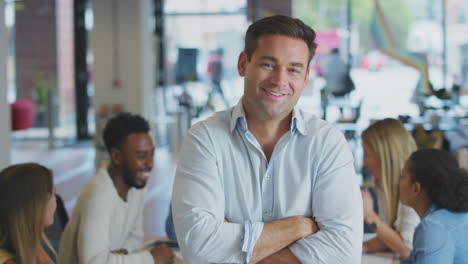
{"points": [[296, 64], [268, 58]]}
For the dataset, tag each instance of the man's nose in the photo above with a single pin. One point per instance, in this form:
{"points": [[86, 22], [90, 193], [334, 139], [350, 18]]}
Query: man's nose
{"points": [[149, 163], [279, 76]]}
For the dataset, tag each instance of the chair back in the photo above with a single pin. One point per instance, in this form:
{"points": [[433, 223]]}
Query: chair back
{"points": [[54, 231]]}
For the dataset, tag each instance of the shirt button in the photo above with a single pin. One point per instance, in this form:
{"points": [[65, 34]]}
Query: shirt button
{"points": [[267, 177], [266, 212]]}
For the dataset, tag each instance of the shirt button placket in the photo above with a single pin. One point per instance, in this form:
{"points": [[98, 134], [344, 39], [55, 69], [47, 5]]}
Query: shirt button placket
{"points": [[267, 194]]}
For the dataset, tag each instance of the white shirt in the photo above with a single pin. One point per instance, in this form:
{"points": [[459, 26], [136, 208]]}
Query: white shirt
{"points": [[406, 221], [102, 222], [223, 173]]}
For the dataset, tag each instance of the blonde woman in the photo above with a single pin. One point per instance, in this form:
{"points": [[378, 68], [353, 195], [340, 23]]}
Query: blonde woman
{"points": [[387, 145], [27, 206]]}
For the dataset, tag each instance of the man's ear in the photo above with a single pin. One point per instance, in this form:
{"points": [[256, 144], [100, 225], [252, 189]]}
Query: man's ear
{"points": [[116, 156], [242, 63], [307, 76]]}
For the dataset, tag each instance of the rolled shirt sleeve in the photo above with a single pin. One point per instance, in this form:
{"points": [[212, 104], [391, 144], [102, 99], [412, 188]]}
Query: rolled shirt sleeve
{"points": [[198, 208], [337, 209], [252, 231]]}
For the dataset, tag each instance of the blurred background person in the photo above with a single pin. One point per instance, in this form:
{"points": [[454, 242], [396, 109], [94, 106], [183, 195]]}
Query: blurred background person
{"points": [[27, 204], [437, 188], [215, 71], [107, 223], [338, 81], [387, 145]]}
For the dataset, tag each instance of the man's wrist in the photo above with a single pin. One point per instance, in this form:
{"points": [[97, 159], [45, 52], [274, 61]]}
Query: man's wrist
{"points": [[303, 227]]}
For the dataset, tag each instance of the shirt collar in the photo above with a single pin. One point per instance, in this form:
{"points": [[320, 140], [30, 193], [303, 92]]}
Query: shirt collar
{"points": [[238, 116], [238, 113], [298, 122]]}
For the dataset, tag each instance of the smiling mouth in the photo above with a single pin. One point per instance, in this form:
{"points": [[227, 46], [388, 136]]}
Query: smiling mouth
{"points": [[143, 176], [273, 93]]}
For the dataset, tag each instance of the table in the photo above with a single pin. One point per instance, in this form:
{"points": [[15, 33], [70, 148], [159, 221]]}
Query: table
{"points": [[177, 253], [378, 257], [374, 258]]}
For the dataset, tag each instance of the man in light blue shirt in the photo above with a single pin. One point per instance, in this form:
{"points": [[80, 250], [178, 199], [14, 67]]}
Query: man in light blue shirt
{"points": [[264, 182]]}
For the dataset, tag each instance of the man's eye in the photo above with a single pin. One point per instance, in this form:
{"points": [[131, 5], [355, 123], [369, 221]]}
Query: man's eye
{"points": [[267, 65], [294, 70]]}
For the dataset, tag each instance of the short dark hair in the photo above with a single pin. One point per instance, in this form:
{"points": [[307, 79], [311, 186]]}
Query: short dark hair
{"points": [[440, 175], [119, 127], [279, 25]]}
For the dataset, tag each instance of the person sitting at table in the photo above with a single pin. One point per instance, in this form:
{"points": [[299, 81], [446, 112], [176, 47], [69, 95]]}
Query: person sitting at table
{"points": [[387, 145], [27, 205], [437, 188], [106, 225]]}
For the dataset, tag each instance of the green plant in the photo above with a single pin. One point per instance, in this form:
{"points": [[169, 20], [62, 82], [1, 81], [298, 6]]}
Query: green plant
{"points": [[41, 90]]}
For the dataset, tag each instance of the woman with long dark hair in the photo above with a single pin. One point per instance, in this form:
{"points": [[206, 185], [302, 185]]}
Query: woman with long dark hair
{"points": [[437, 188]]}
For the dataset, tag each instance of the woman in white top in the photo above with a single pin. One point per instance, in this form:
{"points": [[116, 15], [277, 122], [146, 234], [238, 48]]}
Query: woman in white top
{"points": [[387, 145]]}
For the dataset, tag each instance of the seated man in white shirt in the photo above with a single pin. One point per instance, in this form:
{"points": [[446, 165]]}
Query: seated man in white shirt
{"points": [[106, 225], [265, 182]]}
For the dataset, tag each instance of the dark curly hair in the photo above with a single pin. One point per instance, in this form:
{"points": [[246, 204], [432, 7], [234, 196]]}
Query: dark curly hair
{"points": [[279, 25], [119, 127], [440, 175]]}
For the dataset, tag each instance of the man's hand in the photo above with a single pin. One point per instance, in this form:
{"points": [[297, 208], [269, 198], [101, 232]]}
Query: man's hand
{"points": [[278, 234], [163, 254], [306, 226], [121, 251]]}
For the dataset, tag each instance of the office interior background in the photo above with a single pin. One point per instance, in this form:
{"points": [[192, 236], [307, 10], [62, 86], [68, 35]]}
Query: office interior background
{"points": [[67, 66]]}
